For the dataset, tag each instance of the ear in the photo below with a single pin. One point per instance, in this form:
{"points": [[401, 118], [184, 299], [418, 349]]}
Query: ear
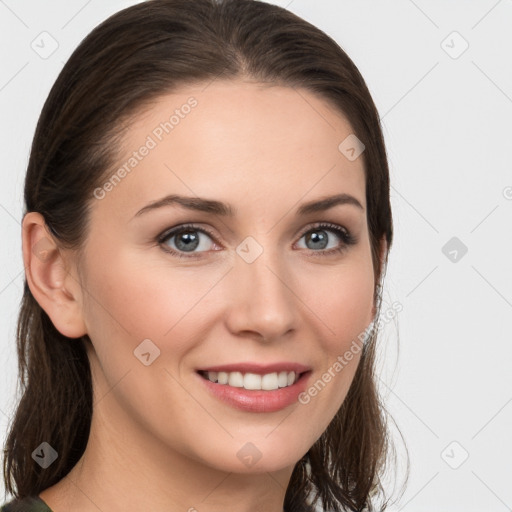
{"points": [[51, 277]]}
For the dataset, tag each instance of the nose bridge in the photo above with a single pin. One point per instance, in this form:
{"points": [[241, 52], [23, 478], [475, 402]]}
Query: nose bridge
{"points": [[264, 302]]}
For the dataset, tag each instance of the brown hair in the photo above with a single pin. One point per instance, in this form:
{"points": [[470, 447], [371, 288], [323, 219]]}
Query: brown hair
{"points": [[129, 60]]}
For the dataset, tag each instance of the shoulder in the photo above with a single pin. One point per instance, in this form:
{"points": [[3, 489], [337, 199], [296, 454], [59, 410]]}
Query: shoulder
{"points": [[28, 504]]}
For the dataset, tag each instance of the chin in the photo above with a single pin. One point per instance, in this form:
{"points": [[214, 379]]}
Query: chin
{"points": [[258, 456]]}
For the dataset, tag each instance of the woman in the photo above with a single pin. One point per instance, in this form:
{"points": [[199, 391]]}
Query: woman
{"points": [[205, 238]]}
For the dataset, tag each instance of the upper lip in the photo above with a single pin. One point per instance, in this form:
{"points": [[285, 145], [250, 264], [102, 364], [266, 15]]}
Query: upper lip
{"points": [[258, 368]]}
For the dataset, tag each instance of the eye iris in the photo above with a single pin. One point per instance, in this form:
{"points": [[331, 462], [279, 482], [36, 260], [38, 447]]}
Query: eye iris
{"points": [[190, 240], [317, 237]]}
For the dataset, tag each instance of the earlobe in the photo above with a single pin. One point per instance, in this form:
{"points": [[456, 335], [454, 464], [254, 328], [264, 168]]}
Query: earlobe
{"points": [[50, 280]]}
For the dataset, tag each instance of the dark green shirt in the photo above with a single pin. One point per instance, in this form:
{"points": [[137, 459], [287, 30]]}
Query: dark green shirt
{"points": [[30, 504]]}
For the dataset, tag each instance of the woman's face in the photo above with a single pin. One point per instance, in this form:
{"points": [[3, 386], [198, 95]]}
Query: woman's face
{"points": [[264, 286]]}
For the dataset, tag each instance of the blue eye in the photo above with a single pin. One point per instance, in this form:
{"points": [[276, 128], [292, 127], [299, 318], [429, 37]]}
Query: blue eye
{"points": [[318, 236], [189, 237]]}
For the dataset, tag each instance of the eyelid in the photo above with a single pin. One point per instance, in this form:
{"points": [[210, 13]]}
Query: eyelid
{"points": [[176, 230], [329, 225], [183, 227]]}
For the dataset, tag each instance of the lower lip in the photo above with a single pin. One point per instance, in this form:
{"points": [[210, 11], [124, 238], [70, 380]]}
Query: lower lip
{"points": [[257, 400]]}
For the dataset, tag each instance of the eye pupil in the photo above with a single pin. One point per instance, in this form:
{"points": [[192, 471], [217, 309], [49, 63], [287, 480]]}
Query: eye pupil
{"points": [[317, 237], [187, 240]]}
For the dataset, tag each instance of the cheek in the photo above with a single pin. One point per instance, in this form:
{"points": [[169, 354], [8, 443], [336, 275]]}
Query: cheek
{"points": [[139, 298], [342, 300]]}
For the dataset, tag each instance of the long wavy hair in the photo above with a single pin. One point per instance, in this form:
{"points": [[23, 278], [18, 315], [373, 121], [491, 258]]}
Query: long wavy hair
{"points": [[125, 63]]}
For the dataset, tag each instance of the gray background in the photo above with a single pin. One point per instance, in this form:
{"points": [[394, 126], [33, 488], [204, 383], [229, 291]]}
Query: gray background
{"points": [[446, 115]]}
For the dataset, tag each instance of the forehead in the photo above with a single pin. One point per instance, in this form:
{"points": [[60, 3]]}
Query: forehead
{"points": [[236, 141]]}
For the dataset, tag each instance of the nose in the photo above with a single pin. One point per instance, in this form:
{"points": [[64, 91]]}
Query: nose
{"points": [[262, 302]]}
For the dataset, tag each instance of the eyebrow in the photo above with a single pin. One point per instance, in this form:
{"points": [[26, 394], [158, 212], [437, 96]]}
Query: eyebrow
{"points": [[226, 210]]}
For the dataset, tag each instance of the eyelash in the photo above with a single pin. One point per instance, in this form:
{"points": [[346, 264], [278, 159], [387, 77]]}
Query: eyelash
{"points": [[347, 238]]}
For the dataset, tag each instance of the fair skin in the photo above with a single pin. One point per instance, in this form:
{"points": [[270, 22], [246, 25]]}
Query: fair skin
{"points": [[159, 441]]}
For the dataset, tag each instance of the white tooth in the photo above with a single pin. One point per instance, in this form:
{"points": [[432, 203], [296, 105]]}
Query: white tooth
{"points": [[252, 381], [236, 379], [283, 379], [223, 377], [269, 381]]}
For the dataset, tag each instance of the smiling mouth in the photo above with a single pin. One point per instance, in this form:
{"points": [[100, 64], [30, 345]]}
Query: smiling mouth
{"points": [[253, 381]]}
